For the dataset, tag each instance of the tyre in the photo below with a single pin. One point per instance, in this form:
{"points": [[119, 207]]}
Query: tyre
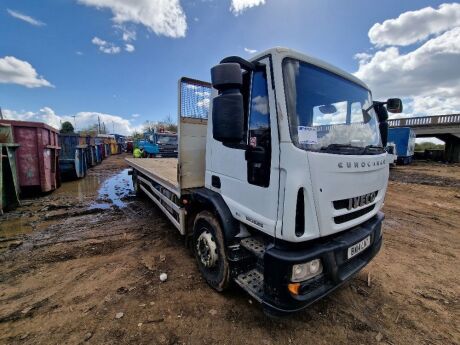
{"points": [[209, 251]]}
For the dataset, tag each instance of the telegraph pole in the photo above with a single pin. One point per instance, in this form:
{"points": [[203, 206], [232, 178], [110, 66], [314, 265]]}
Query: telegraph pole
{"points": [[74, 122]]}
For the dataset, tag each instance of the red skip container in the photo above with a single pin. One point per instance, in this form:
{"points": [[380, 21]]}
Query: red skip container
{"points": [[37, 157]]}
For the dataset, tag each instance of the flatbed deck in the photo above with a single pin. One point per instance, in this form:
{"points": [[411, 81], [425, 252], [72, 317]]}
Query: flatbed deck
{"points": [[161, 170]]}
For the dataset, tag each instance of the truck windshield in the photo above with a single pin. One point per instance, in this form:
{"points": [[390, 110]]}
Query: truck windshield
{"points": [[167, 139], [328, 112]]}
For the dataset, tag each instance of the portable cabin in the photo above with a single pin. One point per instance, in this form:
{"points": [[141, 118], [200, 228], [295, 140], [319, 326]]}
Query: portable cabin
{"points": [[404, 139]]}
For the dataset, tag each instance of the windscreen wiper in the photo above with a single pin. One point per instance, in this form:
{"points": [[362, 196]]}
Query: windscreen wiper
{"points": [[373, 149], [341, 148], [352, 150]]}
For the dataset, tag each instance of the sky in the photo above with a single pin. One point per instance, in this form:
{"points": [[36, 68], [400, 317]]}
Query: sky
{"points": [[120, 60]]}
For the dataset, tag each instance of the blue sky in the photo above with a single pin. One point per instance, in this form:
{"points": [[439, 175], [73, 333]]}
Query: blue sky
{"points": [[83, 66]]}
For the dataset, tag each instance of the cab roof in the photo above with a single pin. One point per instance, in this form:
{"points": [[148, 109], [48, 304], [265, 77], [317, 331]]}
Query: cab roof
{"points": [[282, 53]]}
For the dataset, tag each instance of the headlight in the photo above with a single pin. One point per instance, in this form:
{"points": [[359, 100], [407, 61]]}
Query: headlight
{"points": [[308, 270]]}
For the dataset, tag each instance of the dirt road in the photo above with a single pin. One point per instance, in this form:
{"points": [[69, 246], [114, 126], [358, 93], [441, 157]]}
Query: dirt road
{"points": [[82, 265]]}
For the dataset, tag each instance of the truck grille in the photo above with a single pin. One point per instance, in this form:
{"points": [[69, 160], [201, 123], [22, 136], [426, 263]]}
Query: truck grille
{"points": [[353, 215], [344, 203]]}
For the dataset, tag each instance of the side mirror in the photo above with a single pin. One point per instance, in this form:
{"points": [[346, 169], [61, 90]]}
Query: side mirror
{"points": [[227, 107], [394, 105]]}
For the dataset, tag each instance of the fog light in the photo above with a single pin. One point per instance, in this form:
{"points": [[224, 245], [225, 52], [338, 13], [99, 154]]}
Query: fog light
{"points": [[308, 270], [294, 288]]}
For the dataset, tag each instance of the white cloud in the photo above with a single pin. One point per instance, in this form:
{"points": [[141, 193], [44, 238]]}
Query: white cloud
{"points": [[78, 52], [426, 75], [121, 125], [363, 57], [129, 48], [431, 69], [414, 26], [15, 71], [239, 6], [250, 51], [163, 17], [25, 18], [260, 104], [45, 115], [128, 35], [436, 105], [135, 115], [106, 47], [83, 120], [338, 116]]}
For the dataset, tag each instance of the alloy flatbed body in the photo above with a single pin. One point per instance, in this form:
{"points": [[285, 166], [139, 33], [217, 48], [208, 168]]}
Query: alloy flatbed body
{"points": [[167, 180], [161, 170], [157, 178]]}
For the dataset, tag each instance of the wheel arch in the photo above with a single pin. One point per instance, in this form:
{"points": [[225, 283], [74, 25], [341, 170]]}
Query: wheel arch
{"points": [[205, 199]]}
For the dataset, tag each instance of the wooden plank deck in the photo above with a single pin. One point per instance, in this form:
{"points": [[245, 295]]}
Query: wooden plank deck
{"points": [[162, 170]]}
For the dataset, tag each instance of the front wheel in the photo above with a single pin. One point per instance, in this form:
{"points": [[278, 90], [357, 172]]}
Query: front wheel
{"points": [[209, 250]]}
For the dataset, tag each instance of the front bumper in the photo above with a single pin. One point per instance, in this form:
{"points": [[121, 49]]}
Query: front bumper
{"points": [[337, 269]]}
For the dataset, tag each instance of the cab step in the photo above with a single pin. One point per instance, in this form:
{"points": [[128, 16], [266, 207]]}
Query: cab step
{"points": [[253, 283], [254, 246]]}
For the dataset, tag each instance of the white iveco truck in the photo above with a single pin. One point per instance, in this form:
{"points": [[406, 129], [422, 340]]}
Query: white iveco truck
{"points": [[280, 188]]}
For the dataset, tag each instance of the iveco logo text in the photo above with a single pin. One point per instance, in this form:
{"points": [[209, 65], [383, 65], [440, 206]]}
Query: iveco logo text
{"points": [[369, 164], [361, 200]]}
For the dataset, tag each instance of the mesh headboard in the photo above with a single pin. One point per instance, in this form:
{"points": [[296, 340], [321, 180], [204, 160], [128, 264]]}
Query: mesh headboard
{"points": [[195, 96]]}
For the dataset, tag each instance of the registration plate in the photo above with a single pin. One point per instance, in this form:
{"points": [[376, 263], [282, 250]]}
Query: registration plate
{"points": [[359, 247]]}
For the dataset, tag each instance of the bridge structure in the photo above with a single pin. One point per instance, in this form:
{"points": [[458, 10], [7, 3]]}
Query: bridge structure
{"points": [[443, 127]]}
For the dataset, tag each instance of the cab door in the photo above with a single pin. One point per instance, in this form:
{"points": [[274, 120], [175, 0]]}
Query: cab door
{"points": [[247, 176]]}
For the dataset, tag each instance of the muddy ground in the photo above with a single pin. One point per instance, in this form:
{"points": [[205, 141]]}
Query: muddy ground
{"points": [[74, 259]]}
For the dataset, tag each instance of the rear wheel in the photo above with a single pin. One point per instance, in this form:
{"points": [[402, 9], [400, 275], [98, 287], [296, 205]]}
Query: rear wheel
{"points": [[209, 250]]}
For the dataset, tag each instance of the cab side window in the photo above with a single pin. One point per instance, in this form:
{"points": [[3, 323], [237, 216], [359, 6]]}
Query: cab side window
{"points": [[259, 133]]}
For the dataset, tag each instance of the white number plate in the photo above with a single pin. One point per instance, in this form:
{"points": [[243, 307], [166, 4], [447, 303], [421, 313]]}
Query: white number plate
{"points": [[359, 247]]}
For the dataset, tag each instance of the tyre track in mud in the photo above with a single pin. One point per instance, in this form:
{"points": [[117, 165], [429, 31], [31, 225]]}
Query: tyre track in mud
{"points": [[72, 274]]}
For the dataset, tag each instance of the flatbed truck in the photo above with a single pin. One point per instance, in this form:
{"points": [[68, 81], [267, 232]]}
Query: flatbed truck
{"points": [[280, 188]]}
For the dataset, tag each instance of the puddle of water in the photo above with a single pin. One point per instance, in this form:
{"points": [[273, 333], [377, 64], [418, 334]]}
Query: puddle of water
{"points": [[81, 188], [115, 189], [14, 227], [11, 230]]}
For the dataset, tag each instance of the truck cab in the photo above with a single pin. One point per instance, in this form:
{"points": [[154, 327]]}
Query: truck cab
{"points": [[281, 179], [158, 144]]}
